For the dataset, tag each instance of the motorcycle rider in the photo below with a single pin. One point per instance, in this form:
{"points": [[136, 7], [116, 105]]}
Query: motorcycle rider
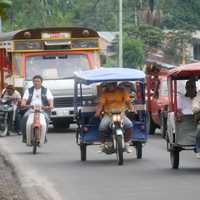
{"points": [[111, 98], [12, 95], [37, 95]]}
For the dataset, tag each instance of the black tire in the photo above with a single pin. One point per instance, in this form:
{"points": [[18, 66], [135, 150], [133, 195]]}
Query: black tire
{"points": [[119, 150], [60, 123], [83, 149], [138, 147], [163, 126], [174, 158], [35, 139], [151, 126], [4, 126], [78, 135]]}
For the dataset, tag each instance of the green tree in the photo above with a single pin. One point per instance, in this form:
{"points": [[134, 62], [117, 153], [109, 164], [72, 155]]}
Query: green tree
{"points": [[4, 4], [182, 15], [151, 36], [133, 55], [175, 47]]}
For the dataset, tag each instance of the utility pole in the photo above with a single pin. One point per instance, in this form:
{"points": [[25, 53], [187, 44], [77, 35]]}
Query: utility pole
{"points": [[0, 24], [120, 34]]}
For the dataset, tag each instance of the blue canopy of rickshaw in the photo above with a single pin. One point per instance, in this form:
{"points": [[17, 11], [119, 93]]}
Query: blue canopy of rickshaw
{"points": [[108, 74]]}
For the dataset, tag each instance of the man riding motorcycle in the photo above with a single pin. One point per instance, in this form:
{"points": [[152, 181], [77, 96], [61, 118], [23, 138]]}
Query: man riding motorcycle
{"points": [[10, 94], [37, 95], [111, 98]]}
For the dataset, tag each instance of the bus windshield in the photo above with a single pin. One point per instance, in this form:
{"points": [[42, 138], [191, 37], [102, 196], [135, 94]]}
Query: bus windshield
{"points": [[55, 66]]}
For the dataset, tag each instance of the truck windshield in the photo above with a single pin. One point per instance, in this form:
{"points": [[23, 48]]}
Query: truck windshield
{"points": [[55, 66]]}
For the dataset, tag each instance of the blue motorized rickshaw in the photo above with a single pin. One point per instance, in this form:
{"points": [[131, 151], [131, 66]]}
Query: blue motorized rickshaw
{"points": [[87, 131]]}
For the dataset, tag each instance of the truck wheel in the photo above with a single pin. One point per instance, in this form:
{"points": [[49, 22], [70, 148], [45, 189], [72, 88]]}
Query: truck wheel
{"points": [[60, 123], [151, 126]]}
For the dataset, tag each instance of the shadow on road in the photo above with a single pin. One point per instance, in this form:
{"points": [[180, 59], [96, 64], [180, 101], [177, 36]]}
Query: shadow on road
{"points": [[61, 130]]}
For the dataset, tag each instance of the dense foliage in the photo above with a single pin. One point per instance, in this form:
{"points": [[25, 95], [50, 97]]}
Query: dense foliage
{"points": [[102, 15]]}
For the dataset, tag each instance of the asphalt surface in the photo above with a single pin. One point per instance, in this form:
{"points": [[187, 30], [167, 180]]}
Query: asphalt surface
{"points": [[57, 172]]}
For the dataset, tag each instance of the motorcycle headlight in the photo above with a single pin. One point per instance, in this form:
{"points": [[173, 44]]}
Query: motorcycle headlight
{"points": [[116, 118]]}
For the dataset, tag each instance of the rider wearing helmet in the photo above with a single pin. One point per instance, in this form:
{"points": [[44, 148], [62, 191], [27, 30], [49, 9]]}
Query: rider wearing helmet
{"points": [[113, 97]]}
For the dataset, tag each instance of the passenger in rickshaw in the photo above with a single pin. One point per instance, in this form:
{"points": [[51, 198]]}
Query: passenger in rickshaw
{"points": [[113, 97], [130, 87], [184, 101], [196, 112]]}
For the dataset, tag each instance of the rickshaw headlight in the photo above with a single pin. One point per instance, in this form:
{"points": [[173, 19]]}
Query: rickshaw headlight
{"points": [[116, 118]]}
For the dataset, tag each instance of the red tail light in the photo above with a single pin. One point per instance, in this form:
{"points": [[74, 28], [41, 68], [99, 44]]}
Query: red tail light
{"points": [[142, 127], [85, 129]]}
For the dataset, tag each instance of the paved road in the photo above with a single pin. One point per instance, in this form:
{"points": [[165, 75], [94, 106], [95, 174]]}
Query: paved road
{"points": [[57, 168]]}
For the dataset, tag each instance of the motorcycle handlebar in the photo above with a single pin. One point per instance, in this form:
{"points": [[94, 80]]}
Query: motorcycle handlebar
{"points": [[36, 107]]}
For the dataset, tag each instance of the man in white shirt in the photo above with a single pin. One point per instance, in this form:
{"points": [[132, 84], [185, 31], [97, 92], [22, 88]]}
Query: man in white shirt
{"points": [[196, 112], [36, 96], [184, 102]]}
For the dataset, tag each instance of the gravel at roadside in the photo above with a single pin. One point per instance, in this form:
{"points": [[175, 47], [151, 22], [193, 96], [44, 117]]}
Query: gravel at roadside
{"points": [[10, 188]]}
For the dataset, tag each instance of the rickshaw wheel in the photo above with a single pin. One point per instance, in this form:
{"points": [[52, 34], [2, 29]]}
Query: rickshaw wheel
{"points": [[138, 150], [174, 158], [151, 126], [83, 149]]}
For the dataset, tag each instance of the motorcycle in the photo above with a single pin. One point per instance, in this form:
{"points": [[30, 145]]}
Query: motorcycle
{"points": [[36, 128], [116, 144], [7, 117]]}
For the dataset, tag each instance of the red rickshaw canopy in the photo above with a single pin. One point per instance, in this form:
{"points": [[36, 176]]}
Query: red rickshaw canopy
{"points": [[185, 71]]}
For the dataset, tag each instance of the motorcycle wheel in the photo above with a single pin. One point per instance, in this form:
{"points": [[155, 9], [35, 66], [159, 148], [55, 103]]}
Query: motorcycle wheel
{"points": [[35, 139], [4, 126], [119, 150]]}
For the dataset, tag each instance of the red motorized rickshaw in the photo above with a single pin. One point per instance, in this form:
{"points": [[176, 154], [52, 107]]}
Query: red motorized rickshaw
{"points": [[157, 96], [181, 131]]}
